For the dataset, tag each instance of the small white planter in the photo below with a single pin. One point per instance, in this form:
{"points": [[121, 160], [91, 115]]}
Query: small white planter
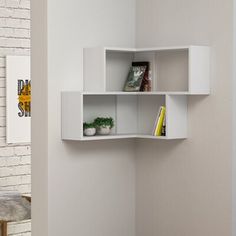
{"points": [[104, 130], [90, 132]]}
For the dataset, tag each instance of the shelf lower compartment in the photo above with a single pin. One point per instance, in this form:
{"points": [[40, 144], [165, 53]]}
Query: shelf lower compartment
{"points": [[134, 116]]}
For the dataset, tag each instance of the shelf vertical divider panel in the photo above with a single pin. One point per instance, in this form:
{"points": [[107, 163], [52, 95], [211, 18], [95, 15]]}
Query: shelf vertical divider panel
{"points": [[72, 115], [94, 69], [199, 70], [117, 66], [176, 116]]}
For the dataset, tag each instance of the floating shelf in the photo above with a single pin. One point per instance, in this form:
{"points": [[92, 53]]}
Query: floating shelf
{"points": [[177, 72]]}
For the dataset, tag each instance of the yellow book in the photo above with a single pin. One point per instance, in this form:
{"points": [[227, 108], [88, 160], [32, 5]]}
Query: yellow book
{"points": [[155, 124], [160, 121]]}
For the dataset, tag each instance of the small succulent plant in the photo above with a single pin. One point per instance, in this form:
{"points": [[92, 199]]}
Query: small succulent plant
{"points": [[88, 125], [104, 122]]}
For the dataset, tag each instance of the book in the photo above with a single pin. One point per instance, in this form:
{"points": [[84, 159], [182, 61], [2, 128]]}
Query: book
{"points": [[163, 130], [134, 79], [161, 116], [155, 124], [146, 82]]}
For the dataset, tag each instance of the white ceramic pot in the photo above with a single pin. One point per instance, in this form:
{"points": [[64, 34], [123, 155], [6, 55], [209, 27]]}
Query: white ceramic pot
{"points": [[104, 130], [90, 132]]}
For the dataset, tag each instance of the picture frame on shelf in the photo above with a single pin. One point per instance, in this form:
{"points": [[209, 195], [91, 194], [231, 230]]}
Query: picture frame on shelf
{"points": [[135, 78]]}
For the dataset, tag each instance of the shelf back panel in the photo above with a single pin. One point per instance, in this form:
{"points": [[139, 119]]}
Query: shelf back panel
{"points": [[127, 111], [148, 107], [99, 106], [117, 68], [171, 71]]}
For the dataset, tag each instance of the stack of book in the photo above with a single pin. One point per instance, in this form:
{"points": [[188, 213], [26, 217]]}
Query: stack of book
{"points": [[159, 128]]}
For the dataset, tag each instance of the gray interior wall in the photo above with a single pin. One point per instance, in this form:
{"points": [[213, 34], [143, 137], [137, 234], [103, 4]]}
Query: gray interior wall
{"points": [[184, 187]]}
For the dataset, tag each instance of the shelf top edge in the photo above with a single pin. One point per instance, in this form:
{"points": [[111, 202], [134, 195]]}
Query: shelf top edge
{"points": [[120, 49], [137, 93]]}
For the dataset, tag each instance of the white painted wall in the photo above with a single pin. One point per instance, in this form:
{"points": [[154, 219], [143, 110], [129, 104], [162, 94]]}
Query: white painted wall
{"points": [[91, 188], [184, 187]]}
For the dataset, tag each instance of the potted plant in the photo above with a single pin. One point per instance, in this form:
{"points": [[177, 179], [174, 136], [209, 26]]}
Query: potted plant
{"points": [[89, 129], [104, 125]]}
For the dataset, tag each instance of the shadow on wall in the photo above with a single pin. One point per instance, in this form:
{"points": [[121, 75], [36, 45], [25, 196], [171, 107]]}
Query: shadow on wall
{"points": [[158, 147], [87, 149]]}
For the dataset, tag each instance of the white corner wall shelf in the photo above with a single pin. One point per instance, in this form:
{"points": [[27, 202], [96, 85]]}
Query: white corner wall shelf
{"points": [[176, 73]]}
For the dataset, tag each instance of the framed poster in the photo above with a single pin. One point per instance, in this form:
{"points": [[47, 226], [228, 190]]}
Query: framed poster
{"points": [[18, 99]]}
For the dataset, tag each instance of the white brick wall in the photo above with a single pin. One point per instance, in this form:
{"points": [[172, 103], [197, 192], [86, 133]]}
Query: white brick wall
{"points": [[15, 160]]}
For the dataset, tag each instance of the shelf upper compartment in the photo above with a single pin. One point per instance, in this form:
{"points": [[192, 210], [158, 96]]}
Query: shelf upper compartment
{"points": [[180, 69]]}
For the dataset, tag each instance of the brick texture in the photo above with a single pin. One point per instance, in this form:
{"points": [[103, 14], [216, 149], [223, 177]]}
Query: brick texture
{"points": [[15, 168]]}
